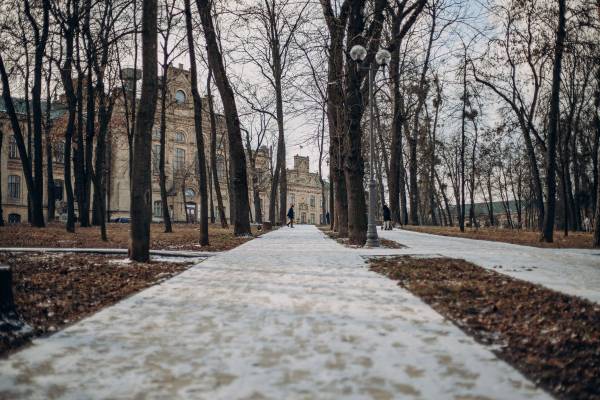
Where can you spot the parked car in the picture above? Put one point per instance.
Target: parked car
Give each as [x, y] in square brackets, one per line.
[121, 220]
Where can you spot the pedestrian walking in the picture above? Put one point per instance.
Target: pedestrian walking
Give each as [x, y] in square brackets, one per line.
[387, 218]
[290, 215]
[327, 217]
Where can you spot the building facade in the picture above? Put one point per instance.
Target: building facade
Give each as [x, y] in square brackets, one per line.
[181, 164]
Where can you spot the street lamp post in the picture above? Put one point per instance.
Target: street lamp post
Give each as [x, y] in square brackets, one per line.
[358, 53]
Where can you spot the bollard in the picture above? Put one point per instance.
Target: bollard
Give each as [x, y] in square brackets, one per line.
[7, 300]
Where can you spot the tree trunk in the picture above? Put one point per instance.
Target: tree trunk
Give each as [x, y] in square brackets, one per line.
[396, 145]
[548, 228]
[67, 81]
[237, 158]
[80, 166]
[162, 176]
[18, 135]
[141, 192]
[202, 184]
[596, 155]
[335, 117]
[213, 152]
[210, 195]
[50, 190]
[1, 210]
[281, 154]
[273, 194]
[353, 161]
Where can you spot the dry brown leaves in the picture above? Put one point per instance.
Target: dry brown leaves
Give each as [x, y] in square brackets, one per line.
[552, 338]
[54, 290]
[183, 237]
[577, 240]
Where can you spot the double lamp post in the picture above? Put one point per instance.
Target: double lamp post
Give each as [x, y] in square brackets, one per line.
[358, 53]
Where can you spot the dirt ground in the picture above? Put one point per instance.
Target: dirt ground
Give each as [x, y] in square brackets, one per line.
[578, 240]
[552, 338]
[183, 237]
[55, 290]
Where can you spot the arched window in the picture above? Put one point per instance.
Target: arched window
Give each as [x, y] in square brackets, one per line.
[180, 137]
[14, 218]
[13, 151]
[157, 208]
[180, 97]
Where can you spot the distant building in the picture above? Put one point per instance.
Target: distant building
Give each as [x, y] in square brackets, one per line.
[305, 192]
[304, 188]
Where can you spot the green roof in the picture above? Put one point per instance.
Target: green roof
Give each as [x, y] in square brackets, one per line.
[56, 109]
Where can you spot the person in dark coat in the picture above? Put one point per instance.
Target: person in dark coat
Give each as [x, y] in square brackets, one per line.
[327, 218]
[290, 215]
[387, 218]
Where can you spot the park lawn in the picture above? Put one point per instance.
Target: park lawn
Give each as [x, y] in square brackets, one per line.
[577, 240]
[183, 237]
[54, 290]
[552, 338]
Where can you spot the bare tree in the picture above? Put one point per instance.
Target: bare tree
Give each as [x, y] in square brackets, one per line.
[141, 187]
[237, 158]
[168, 19]
[201, 170]
[213, 151]
[548, 227]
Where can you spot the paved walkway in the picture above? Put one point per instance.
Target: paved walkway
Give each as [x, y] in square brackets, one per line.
[290, 315]
[571, 271]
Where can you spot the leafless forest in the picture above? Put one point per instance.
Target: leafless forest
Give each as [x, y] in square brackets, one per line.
[482, 106]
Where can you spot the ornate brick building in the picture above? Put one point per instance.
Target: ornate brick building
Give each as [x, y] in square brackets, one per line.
[304, 187]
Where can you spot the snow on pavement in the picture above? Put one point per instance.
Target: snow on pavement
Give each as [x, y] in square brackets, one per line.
[289, 315]
[571, 271]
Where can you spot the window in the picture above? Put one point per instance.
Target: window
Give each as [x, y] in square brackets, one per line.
[312, 219]
[58, 189]
[156, 134]
[155, 159]
[312, 201]
[221, 168]
[190, 193]
[179, 159]
[180, 97]
[157, 208]
[14, 186]
[59, 152]
[13, 151]
[180, 137]
[292, 198]
[14, 218]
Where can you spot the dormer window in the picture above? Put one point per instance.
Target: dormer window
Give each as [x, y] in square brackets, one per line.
[180, 97]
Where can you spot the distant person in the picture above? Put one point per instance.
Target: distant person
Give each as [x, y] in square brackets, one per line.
[327, 217]
[387, 218]
[290, 215]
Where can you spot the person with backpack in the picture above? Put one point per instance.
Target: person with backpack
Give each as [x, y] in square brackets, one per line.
[387, 218]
